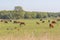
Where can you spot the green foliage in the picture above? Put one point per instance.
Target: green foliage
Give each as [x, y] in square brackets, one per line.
[18, 8]
[19, 13]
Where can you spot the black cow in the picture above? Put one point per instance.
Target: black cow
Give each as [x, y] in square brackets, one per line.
[5, 21]
[43, 21]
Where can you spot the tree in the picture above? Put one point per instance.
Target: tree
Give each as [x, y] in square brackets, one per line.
[33, 15]
[18, 8]
[38, 15]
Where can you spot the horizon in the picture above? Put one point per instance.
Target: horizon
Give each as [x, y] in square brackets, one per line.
[31, 5]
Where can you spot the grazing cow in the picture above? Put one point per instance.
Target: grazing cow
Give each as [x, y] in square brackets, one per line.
[10, 20]
[1, 20]
[40, 19]
[58, 19]
[51, 25]
[48, 20]
[53, 22]
[16, 22]
[37, 23]
[43, 21]
[22, 23]
[5, 22]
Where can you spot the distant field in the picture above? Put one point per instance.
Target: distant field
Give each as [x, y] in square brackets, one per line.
[31, 28]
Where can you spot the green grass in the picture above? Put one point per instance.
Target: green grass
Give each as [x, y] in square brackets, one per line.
[30, 28]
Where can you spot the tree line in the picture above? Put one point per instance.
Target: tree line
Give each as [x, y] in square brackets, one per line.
[19, 13]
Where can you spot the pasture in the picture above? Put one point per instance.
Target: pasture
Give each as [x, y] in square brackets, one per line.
[30, 29]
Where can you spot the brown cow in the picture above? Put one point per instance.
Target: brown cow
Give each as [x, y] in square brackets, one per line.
[37, 23]
[22, 23]
[16, 22]
[53, 22]
[51, 25]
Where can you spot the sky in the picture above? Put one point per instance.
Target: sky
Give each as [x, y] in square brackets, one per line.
[31, 5]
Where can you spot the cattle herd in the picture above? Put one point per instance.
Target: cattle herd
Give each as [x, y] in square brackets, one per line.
[51, 23]
[17, 22]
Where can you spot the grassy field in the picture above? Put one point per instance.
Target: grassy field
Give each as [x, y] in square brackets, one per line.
[31, 29]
